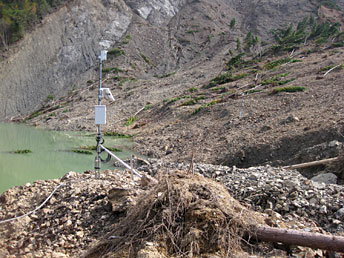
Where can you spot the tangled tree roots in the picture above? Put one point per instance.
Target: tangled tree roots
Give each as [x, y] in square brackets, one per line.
[187, 215]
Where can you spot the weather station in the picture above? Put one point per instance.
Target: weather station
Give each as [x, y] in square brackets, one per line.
[100, 119]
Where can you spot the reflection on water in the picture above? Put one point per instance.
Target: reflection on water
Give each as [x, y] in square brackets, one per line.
[50, 157]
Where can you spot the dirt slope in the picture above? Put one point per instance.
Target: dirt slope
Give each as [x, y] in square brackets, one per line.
[161, 69]
[236, 130]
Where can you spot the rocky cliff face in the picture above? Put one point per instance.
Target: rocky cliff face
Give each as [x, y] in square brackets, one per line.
[61, 52]
[58, 53]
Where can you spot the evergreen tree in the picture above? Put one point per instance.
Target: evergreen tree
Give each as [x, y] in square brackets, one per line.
[18, 15]
[232, 24]
[250, 41]
[43, 7]
[238, 44]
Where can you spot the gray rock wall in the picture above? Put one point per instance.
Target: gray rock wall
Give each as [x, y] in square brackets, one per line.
[61, 52]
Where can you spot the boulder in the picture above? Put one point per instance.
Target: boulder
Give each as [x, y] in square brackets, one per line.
[328, 178]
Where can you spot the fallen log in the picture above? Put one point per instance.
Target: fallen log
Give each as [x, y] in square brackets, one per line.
[311, 164]
[300, 238]
[333, 68]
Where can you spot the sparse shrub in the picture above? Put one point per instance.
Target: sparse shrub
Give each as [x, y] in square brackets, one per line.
[126, 79]
[288, 89]
[148, 106]
[276, 81]
[329, 4]
[208, 17]
[252, 91]
[274, 64]
[235, 62]
[326, 68]
[169, 101]
[117, 70]
[106, 70]
[189, 103]
[113, 69]
[192, 90]
[34, 114]
[130, 120]
[118, 78]
[238, 44]
[225, 78]
[50, 97]
[311, 50]
[338, 44]
[165, 75]
[232, 23]
[321, 40]
[192, 31]
[282, 82]
[146, 59]
[116, 52]
[250, 41]
[308, 29]
[86, 152]
[204, 106]
[267, 82]
[219, 89]
[116, 134]
[126, 39]
[184, 41]
[192, 101]
[239, 76]
[25, 151]
[282, 75]
[271, 65]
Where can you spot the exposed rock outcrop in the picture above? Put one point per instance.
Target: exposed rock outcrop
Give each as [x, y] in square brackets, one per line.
[62, 50]
[59, 53]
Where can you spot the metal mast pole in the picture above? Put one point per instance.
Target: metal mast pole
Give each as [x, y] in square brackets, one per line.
[99, 136]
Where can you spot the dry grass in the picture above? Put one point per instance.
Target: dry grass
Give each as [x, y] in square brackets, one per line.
[187, 215]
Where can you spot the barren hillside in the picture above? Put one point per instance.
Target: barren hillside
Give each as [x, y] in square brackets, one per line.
[196, 82]
[163, 69]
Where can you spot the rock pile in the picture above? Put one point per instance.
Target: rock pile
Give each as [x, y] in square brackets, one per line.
[279, 192]
[76, 216]
[84, 209]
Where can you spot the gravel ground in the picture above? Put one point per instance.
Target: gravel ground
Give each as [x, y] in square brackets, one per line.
[84, 209]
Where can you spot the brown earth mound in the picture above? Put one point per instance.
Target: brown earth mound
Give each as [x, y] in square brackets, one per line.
[185, 215]
[181, 215]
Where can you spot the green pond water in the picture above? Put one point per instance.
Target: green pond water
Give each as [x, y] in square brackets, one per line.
[51, 155]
